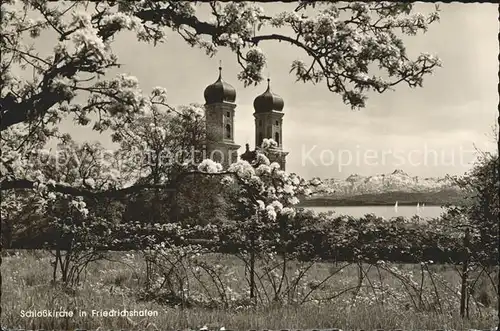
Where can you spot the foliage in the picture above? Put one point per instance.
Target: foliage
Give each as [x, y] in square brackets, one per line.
[83, 189]
[155, 149]
[309, 237]
[84, 176]
[341, 43]
[481, 211]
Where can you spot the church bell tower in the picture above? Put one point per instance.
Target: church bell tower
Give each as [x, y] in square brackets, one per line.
[269, 123]
[220, 110]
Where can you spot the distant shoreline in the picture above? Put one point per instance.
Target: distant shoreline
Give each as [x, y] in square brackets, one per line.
[386, 199]
[315, 203]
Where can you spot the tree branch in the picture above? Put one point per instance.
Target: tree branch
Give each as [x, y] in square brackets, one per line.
[111, 193]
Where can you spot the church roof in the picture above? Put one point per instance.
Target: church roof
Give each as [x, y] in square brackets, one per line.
[220, 91]
[268, 101]
[249, 156]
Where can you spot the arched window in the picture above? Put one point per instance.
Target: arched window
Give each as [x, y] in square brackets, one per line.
[228, 131]
[277, 138]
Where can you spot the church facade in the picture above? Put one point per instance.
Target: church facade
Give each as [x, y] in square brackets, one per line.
[220, 109]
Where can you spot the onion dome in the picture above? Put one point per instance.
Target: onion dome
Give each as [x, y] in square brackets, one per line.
[220, 91]
[268, 101]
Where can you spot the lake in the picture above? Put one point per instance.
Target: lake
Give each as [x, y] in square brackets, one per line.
[383, 211]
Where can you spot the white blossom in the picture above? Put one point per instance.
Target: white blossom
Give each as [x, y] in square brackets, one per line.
[90, 182]
[263, 170]
[262, 159]
[87, 39]
[275, 166]
[121, 19]
[210, 166]
[271, 213]
[243, 169]
[277, 205]
[159, 92]
[268, 143]
[287, 211]
[82, 19]
[288, 189]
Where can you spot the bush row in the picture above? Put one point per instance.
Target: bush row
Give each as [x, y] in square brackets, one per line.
[305, 237]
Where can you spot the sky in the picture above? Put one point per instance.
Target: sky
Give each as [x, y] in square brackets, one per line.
[429, 131]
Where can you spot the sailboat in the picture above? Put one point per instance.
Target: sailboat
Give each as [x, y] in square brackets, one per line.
[396, 207]
[418, 209]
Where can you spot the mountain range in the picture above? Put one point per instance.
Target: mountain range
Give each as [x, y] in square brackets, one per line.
[385, 189]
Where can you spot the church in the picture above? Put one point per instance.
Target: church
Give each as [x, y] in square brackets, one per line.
[220, 109]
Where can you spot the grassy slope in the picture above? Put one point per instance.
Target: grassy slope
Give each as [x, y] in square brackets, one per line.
[387, 199]
[114, 285]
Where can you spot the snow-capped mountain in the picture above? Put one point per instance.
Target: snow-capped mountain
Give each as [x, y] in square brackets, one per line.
[397, 181]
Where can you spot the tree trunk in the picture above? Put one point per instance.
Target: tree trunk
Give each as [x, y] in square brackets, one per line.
[252, 260]
[465, 271]
[56, 262]
[252, 271]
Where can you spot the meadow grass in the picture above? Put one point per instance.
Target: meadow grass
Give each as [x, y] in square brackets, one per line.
[116, 284]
